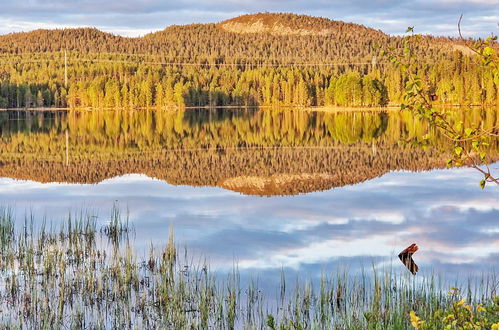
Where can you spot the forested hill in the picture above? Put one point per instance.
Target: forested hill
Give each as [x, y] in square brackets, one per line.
[84, 40]
[277, 38]
[251, 60]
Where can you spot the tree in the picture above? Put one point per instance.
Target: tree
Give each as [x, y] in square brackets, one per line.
[469, 142]
[39, 99]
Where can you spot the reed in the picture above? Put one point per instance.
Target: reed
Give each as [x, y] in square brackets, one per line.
[69, 277]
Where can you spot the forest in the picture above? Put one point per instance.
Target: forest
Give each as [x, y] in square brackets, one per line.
[306, 61]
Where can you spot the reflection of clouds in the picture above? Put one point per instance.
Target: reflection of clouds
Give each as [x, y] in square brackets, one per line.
[317, 252]
[444, 211]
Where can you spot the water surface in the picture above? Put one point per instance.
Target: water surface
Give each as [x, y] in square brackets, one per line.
[303, 192]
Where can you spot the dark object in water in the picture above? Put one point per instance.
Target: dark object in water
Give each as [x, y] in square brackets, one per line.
[406, 258]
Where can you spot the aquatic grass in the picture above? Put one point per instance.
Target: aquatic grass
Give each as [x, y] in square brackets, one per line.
[118, 228]
[67, 276]
[6, 227]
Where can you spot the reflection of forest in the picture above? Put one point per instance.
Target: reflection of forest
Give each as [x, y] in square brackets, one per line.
[254, 152]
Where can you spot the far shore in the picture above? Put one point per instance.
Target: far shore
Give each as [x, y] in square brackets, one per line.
[388, 108]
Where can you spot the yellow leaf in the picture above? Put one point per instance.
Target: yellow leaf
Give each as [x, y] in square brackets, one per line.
[415, 320]
[488, 51]
[461, 302]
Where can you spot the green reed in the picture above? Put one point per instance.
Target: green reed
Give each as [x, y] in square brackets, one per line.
[85, 275]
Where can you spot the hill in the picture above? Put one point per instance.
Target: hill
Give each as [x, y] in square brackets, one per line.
[81, 39]
[255, 38]
[250, 60]
[286, 37]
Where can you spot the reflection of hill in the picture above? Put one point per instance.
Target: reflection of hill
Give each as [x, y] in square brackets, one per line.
[252, 152]
[277, 184]
[258, 172]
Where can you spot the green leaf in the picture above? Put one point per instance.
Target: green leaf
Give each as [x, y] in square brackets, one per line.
[458, 151]
[270, 321]
[468, 131]
[482, 184]
[409, 29]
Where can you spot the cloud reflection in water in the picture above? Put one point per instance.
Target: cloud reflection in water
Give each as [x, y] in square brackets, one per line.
[455, 223]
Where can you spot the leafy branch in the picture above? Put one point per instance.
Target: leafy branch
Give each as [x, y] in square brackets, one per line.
[469, 143]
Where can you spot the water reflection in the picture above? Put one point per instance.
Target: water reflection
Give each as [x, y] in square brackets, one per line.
[249, 151]
[444, 211]
[190, 168]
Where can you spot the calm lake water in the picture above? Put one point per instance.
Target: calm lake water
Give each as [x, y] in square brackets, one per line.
[305, 192]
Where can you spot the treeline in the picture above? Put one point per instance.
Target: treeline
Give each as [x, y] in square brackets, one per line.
[121, 83]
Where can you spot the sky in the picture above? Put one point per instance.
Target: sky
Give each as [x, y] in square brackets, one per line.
[138, 17]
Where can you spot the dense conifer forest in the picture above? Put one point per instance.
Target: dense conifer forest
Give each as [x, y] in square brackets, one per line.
[261, 59]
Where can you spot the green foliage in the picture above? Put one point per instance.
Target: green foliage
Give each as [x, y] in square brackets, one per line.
[459, 315]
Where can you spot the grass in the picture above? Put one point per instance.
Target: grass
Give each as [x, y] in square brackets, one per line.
[87, 275]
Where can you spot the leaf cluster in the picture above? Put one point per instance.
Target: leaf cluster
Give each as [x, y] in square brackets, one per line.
[460, 315]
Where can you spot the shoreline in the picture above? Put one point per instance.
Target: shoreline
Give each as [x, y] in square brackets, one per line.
[388, 108]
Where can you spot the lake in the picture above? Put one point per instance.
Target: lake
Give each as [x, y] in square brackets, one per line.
[268, 190]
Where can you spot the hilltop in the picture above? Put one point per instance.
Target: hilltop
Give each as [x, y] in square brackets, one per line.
[292, 24]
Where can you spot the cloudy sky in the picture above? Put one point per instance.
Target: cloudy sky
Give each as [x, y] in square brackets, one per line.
[137, 17]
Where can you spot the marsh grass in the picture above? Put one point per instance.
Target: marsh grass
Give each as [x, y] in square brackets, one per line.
[67, 277]
[118, 228]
